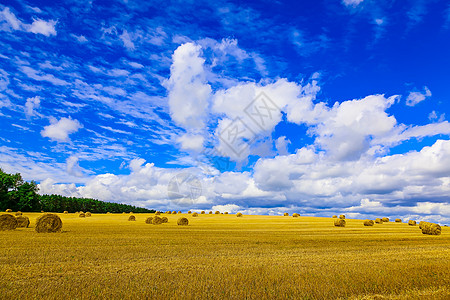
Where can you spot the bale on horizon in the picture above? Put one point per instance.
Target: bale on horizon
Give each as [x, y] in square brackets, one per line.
[398, 220]
[23, 221]
[179, 212]
[174, 213]
[183, 222]
[296, 215]
[157, 213]
[378, 221]
[82, 215]
[19, 213]
[189, 212]
[385, 219]
[217, 212]
[239, 214]
[131, 218]
[149, 220]
[48, 223]
[368, 223]
[286, 214]
[339, 223]
[225, 213]
[8, 222]
[412, 223]
[8, 210]
[210, 212]
[334, 216]
[342, 217]
[195, 214]
[65, 212]
[88, 214]
[202, 212]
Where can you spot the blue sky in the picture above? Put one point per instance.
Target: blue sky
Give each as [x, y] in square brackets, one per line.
[317, 107]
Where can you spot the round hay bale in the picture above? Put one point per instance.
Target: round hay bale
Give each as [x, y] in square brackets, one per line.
[225, 213]
[48, 223]
[131, 212]
[195, 214]
[421, 224]
[23, 221]
[19, 213]
[285, 214]
[183, 222]
[157, 220]
[189, 212]
[239, 214]
[65, 212]
[431, 228]
[88, 214]
[385, 219]
[398, 220]
[8, 210]
[131, 218]
[368, 223]
[339, 223]
[202, 212]
[42, 211]
[108, 213]
[334, 216]
[296, 215]
[81, 212]
[412, 223]
[8, 222]
[158, 213]
[217, 212]
[342, 217]
[179, 212]
[82, 215]
[165, 220]
[149, 220]
[174, 213]
[123, 213]
[210, 212]
[378, 221]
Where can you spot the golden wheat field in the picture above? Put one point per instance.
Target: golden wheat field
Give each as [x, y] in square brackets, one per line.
[223, 257]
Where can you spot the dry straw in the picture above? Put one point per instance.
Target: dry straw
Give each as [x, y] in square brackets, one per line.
[131, 218]
[149, 220]
[210, 212]
[379, 221]
[217, 212]
[239, 214]
[334, 216]
[168, 212]
[88, 214]
[296, 215]
[368, 223]
[165, 220]
[82, 215]
[7, 222]
[179, 212]
[8, 210]
[339, 223]
[23, 221]
[157, 220]
[385, 219]
[19, 213]
[285, 214]
[174, 213]
[412, 223]
[202, 212]
[398, 220]
[195, 214]
[225, 213]
[342, 217]
[431, 228]
[157, 213]
[189, 212]
[66, 212]
[48, 223]
[183, 222]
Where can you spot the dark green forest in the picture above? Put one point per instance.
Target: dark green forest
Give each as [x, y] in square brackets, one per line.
[20, 195]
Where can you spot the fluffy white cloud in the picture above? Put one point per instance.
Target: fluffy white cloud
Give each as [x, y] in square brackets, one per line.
[31, 104]
[191, 142]
[126, 39]
[59, 130]
[9, 22]
[46, 28]
[417, 97]
[73, 168]
[352, 2]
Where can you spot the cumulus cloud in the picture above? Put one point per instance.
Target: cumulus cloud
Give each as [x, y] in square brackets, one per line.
[60, 130]
[31, 104]
[9, 22]
[46, 28]
[416, 97]
[72, 166]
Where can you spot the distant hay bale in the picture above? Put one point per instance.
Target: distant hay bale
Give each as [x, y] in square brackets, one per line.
[19, 213]
[342, 217]
[81, 212]
[379, 221]
[179, 212]
[48, 223]
[131, 218]
[157, 220]
[88, 214]
[168, 212]
[23, 221]
[195, 214]
[183, 222]
[131, 212]
[65, 212]
[8, 210]
[239, 214]
[398, 220]
[202, 212]
[210, 212]
[225, 213]
[421, 224]
[123, 213]
[42, 211]
[334, 216]
[339, 223]
[189, 212]
[82, 215]
[157, 213]
[8, 222]
[431, 228]
[217, 212]
[285, 214]
[149, 220]
[174, 213]
[368, 223]
[165, 220]
[412, 223]
[296, 215]
[385, 219]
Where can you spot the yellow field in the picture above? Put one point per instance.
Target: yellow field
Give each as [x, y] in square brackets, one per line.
[222, 256]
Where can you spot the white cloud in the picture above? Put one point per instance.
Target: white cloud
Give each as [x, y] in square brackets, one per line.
[46, 28]
[352, 2]
[191, 142]
[126, 39]
[8, 21]
[72, 166]
[230, 208]
[41, 76]
[80, 38]
[416, 97]
[31, 104]
[59, 130]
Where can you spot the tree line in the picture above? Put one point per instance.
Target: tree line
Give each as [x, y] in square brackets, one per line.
[19, 195]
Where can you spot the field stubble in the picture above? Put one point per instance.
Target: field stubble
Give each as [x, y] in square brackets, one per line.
[221, 256]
